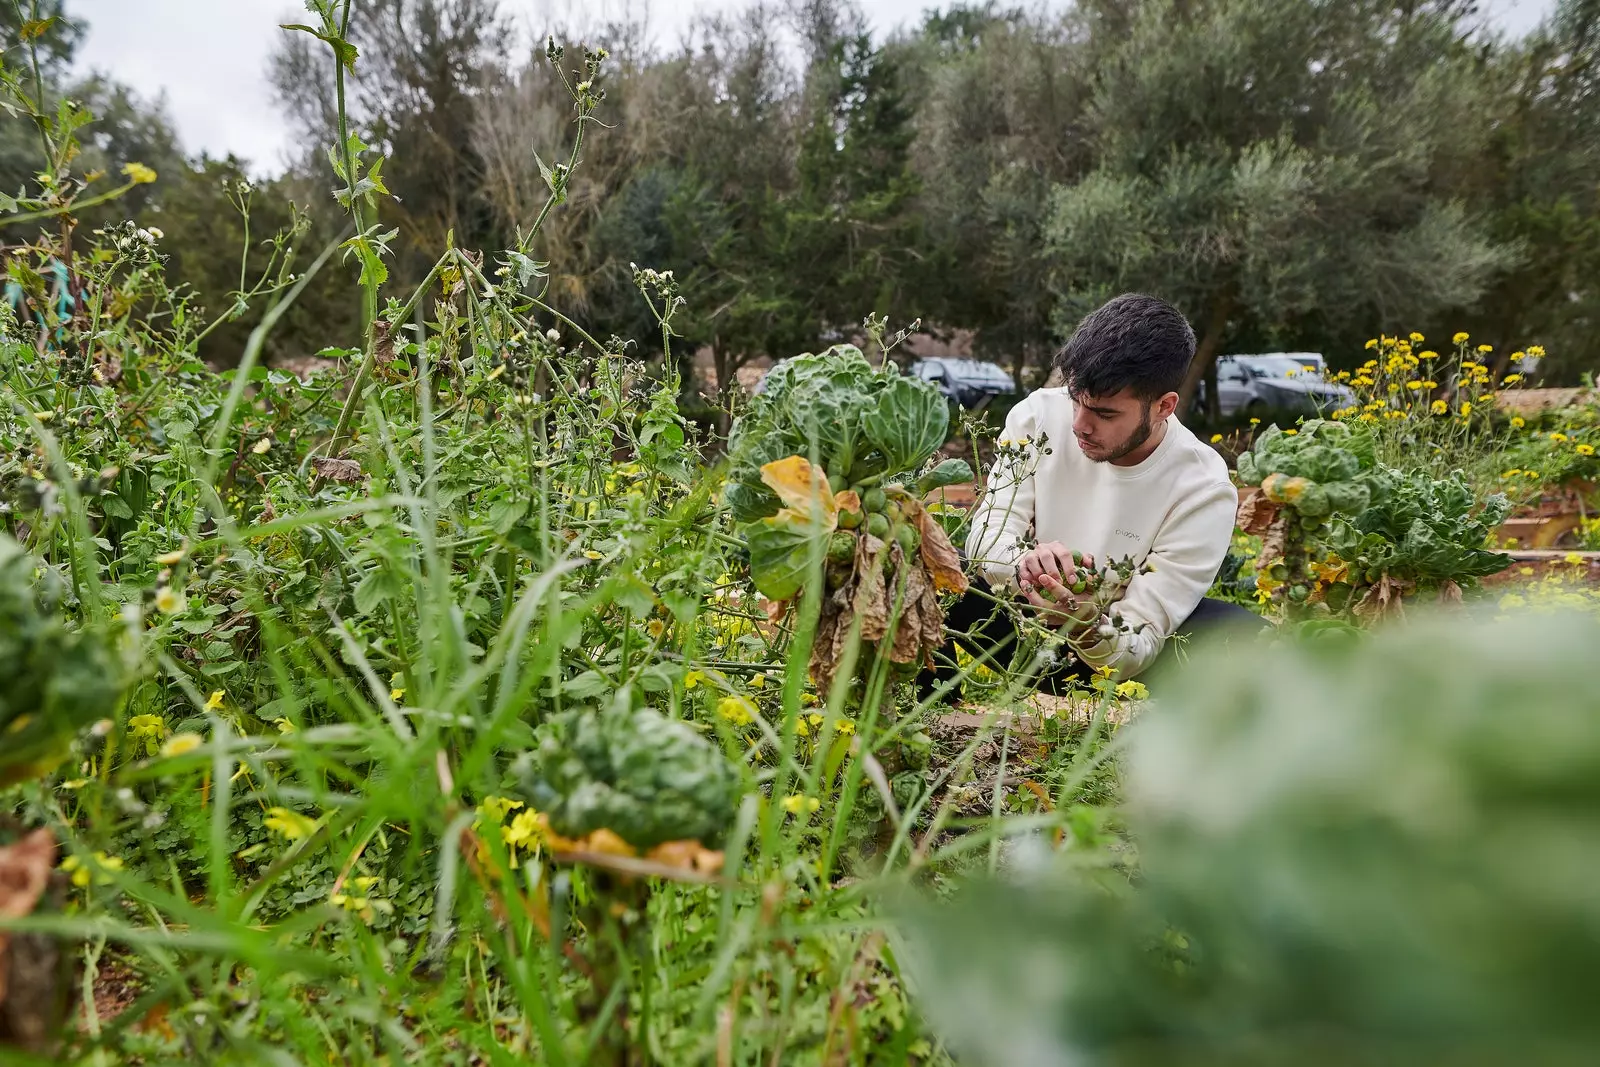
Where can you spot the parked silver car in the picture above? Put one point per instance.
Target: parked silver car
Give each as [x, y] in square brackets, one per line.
[1278, 381]
[971, 383]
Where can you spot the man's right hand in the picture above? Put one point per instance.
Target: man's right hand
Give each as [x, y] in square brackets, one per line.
[1052, 558]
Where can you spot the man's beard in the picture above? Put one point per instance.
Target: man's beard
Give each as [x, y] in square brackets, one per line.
[1135, 440]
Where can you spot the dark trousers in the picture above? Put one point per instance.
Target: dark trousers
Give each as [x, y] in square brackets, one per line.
[982, 628]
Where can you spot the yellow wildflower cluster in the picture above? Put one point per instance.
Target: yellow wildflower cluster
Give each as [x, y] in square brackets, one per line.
[1564, 587]
[95, 870]
[1420, 391]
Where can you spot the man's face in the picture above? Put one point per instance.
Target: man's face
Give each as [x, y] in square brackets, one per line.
[1110, 427]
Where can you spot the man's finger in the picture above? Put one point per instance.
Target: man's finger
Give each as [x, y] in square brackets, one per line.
[1051, 556]
[1028, 569]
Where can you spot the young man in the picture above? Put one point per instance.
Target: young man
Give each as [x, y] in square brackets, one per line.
[1101, 467]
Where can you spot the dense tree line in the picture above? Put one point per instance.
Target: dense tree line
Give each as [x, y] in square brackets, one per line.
[1294, 174]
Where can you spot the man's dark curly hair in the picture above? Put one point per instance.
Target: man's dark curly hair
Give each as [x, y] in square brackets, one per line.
[1133, 342]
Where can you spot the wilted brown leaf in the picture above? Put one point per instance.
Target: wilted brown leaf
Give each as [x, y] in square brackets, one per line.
[347, 471]
[1256, 512]
[939, 556]
[803, 489]
[1384, 600]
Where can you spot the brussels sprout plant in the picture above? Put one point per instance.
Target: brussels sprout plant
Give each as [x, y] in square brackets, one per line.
[828, 462]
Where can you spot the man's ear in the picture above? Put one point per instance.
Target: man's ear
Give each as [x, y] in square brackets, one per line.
[1166, 406]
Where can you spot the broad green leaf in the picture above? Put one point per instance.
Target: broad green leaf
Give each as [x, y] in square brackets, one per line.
[781, 549]
[950, 472]
[910, 422]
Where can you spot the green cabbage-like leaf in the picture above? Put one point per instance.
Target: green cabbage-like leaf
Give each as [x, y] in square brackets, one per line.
[634, 772]
[781, 550]
[909, 423]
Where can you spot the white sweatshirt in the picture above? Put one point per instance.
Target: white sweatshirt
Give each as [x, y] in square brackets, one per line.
[1175, 509]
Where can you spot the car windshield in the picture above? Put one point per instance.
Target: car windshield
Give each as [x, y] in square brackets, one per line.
[1280, 367]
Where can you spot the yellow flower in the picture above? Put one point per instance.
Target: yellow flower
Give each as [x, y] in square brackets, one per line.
[806, 723]
[655, 628]
[1518, 422]
[1413, 385]
[1439, 407]
[758, 681]
[1536, 351]
[495, 809]
[1416, 338]
[845, 726]
[396, 694]
[693, 678]
[44, 416]
[168, 600]
[592, 554]
[797, 803]
[262, 446]
[290, 824]
[1486, 349]
[1430, 385]
[1459, 338]
[1429, 354]
[214, 701]
[1558, 437]
[1512, 600]
[83, 873]
[736, 710]
[1466, 408]
[1512, 473]
[284, 726]
[181, 745]
[167, 559]
[1372, 342]
[524, 830]
[1255, 422]
[1215, 438]
[1131, 690]
[1574, 558]
[138, 173]
[147, 727]
[1290, 433]
[1583, 450]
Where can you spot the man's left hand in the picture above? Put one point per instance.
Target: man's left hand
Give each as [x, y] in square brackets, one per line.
[1059, 607]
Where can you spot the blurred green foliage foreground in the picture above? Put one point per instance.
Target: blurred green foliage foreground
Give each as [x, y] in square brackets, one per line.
[1384, 853]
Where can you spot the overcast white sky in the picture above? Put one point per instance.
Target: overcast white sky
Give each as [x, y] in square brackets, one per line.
[209, 57]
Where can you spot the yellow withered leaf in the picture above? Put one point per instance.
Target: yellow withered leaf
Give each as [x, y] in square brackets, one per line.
[802, 488]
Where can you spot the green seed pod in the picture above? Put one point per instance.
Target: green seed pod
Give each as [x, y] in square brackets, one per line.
[837, 482]
[878, 525]
[874, 501]
[849, 520]
[841, 547]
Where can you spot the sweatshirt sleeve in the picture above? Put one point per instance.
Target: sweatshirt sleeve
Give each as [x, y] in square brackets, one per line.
[1186, 556]
[1004, 514]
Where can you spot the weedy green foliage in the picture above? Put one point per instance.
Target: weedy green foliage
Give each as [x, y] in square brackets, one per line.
[1352, 853]
[54, 680]
[632, 771]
